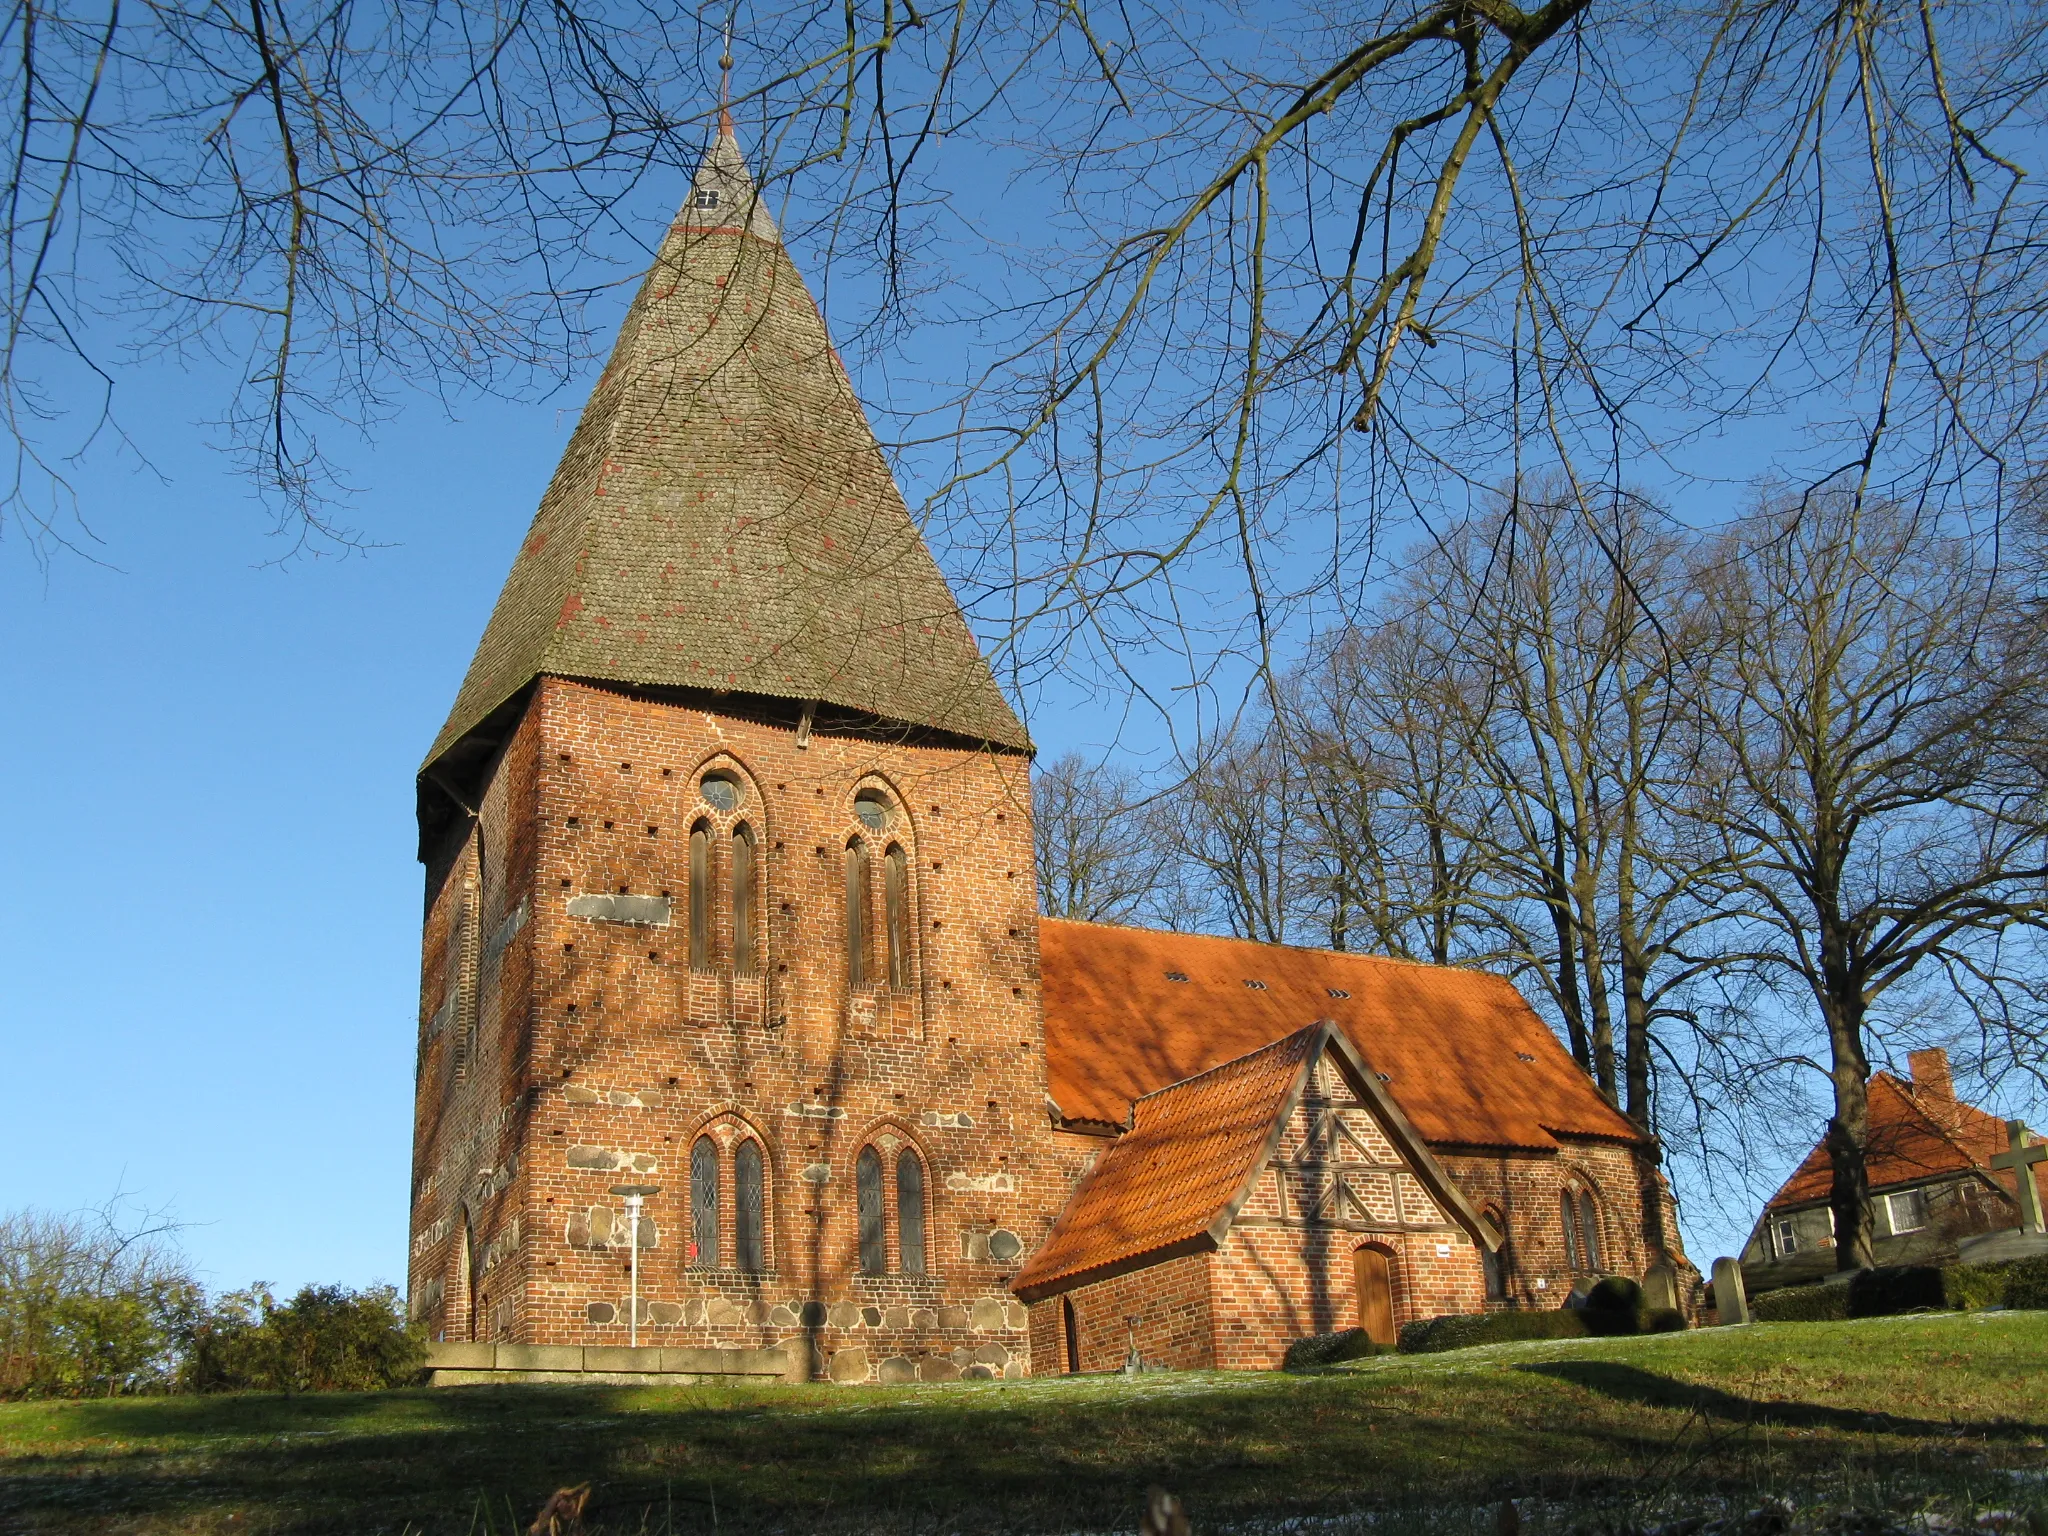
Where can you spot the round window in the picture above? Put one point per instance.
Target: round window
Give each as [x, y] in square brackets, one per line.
[720, 792]
[874, 812]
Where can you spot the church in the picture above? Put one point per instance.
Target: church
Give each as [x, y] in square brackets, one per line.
[730, 902]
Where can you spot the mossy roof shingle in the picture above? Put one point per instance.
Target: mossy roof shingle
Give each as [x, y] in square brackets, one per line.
[723, 517]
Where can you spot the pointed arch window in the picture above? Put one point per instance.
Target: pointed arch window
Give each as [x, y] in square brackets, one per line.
[704, 1203]
[700, 896]
[1589, 1232]
[857, 913]
[1570, 1211]
[743, 959]
[867, 1184]
[896, 913]
[910, 1211]
[748, 1208]
[1073, 1332]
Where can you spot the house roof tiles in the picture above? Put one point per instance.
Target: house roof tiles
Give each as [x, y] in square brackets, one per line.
[1914, 1136]
[1185, 1162]
[1464, 1055]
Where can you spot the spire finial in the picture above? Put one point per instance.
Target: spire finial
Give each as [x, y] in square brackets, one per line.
[725, 81]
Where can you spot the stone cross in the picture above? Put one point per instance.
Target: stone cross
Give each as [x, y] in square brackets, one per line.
[2022, 1160]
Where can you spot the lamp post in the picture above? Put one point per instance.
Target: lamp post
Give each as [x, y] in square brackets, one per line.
[635, 1194]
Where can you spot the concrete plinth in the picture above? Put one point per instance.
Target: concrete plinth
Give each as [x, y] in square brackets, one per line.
[475, 1365]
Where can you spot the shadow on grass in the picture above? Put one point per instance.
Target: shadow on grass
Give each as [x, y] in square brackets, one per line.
[1632, 1384]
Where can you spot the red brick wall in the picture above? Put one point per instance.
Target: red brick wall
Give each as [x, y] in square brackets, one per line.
[602, 1039]
[1638, 1219]
[1166, 1307]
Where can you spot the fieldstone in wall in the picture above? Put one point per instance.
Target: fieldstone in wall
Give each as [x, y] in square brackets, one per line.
[991, 1354]
[952, 1317]
[844, 1314]
[665, 1312]
[937, 1368]
[924, 1318]
[872, 1316]
[979, 1373]
[1004, 1245]
[987, 1313]
[783, 1315]
[601, 1312]
[896, 1370]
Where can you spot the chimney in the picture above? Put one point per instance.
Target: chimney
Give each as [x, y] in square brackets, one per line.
[1933, 1084]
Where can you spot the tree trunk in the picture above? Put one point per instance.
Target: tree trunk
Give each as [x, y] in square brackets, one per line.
[1848, 1134]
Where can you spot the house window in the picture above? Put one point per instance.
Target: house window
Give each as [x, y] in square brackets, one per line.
[748, 1202]
[856, 914]
[706, 197]
[704, 1203]
[875, 813]
[700, 896]
[1785, 1237]
[743, 899]
[867, 1185]
[1907, 1210]
[1570, 1213]
[896, 914]
[720, 793]
[910, 1211]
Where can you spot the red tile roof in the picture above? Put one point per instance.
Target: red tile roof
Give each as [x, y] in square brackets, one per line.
[1914, 1136]
[1464, 1055]
[1187, 1161]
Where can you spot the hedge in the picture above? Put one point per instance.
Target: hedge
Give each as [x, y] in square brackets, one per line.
[1328, 1348]
[1464, 1330]
[1893, 1289]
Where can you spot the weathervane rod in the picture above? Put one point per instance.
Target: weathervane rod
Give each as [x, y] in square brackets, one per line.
[725, 80]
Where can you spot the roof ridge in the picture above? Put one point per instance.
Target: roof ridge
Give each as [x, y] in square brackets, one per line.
[1236, 1061]
[1304, 949]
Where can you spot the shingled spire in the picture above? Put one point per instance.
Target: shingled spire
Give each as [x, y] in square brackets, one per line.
[723, 518]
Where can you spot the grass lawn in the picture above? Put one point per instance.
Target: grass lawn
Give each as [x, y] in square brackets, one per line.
[1886, 1413]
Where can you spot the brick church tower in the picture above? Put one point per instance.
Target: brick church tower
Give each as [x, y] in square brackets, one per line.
[729, 881]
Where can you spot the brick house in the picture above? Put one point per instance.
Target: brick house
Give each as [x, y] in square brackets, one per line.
[1931, 1182]
[729, 893]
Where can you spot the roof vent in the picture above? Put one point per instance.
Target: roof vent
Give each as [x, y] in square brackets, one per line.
[1176, 975]
[1383, 1077]
[1523, 1056]
[1256, 986]
[1336, 992]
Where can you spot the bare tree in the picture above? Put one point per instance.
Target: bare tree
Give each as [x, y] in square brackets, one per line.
[1876, 781]
[1100, 858]
[1232, 299]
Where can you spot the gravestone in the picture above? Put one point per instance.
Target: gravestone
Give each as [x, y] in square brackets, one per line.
[1660, 1288]
[1731, 1301]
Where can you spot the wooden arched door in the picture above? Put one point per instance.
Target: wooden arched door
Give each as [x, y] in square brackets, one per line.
[1372, 1280]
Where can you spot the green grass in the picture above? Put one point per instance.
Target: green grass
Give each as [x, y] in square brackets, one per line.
[1884, 1413]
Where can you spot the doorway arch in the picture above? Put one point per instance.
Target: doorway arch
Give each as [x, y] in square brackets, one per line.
[1372, 1285]
[1072, 1328]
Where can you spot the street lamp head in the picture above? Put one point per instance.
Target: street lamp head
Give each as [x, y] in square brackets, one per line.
[630, 1190]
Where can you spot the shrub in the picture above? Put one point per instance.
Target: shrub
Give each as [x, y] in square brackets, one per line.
[90, 1306]
[1329, 1348]
[2026, 1282]
[1891, 1289]
[1664, 1320]
[1465, 1330]
[1802, 1304]
[325, 1339]
[1614, 1306]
